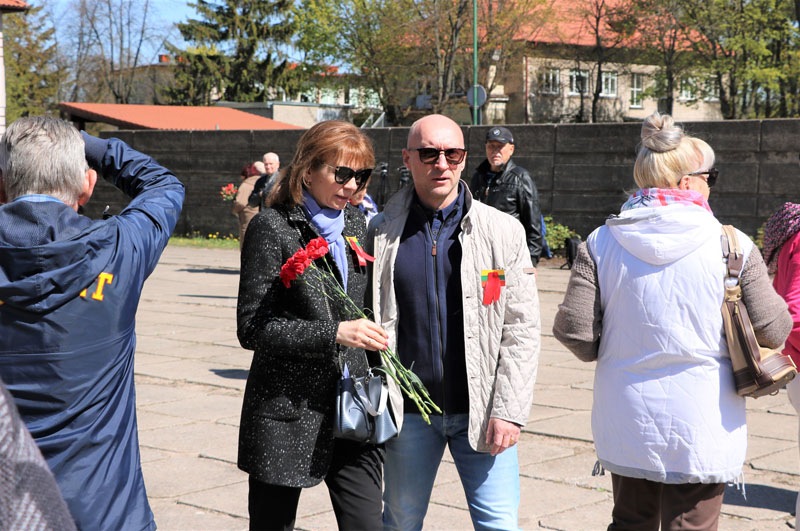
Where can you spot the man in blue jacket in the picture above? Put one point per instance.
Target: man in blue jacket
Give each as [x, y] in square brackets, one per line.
[69, 289]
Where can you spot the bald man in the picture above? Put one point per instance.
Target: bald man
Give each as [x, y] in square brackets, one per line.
[454, 286]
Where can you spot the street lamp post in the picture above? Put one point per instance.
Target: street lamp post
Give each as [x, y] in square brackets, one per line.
[475, 107]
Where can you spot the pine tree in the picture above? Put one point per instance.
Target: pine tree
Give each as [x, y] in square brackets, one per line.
[30, 54]
[236, 50]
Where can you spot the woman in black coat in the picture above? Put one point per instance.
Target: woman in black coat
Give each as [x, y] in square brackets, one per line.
[299, 337]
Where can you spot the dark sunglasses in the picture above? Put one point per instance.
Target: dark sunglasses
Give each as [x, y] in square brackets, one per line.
[431, 155]
[343, 174]
[712, 173]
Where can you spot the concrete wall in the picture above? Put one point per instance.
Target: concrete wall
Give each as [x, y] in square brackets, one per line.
[582, 171]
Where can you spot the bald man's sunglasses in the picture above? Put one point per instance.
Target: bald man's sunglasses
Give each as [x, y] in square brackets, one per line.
[431, 155]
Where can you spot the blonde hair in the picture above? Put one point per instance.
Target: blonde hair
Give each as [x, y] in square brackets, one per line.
[325, 143]
[667, 153]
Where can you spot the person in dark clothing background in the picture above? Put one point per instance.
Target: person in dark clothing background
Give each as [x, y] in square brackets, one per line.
[500, 183]
[69, 289]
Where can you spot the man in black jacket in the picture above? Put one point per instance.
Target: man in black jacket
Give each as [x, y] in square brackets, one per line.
[500, 183]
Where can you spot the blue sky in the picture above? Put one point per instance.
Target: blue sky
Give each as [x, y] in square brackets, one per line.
[166, 13]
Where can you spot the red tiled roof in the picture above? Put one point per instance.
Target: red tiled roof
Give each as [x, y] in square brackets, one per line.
[13, 5]
[172, 117]
[568, 24]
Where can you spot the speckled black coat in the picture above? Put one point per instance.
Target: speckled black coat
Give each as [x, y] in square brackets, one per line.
[286, 436]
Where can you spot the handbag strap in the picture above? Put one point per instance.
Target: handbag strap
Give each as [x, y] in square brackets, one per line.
[739, 328]
[732, 251]
[365, 399]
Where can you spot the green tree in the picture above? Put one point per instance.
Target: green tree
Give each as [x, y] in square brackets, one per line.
[504, 29]
[30, 54]
[375, 39]
[197, 76]
[236, 49]
[732, 39]
[665, 41]
[611, 26]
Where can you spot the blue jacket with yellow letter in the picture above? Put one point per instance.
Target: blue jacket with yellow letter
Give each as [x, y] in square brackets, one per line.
[69, 289]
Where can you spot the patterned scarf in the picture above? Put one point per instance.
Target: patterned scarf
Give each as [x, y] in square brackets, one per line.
[653, 197]
[781, 226]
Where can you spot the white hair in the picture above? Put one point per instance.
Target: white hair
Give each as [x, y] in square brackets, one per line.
[43, 155]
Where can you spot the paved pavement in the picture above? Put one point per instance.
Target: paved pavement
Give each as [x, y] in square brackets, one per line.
[191, 373]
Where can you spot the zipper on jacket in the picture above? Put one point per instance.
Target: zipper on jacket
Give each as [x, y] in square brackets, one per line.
[438, 309]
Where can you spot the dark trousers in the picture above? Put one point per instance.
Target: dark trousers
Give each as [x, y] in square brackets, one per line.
[641, 505]
[354, 482]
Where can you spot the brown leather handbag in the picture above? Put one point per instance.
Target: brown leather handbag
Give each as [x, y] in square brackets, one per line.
[757, 370]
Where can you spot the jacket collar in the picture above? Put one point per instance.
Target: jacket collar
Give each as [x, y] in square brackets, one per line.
[485, 167]
[400, 203]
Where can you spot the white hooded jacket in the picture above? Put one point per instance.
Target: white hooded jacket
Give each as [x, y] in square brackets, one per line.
[665, 407]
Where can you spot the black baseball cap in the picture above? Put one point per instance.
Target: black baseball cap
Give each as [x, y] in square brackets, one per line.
[499, 134]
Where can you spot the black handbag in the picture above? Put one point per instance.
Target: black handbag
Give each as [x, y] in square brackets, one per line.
[361, 409]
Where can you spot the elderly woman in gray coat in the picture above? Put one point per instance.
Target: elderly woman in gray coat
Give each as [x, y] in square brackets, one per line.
[300, 337]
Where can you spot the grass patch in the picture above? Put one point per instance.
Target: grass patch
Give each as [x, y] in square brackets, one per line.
[206, 241]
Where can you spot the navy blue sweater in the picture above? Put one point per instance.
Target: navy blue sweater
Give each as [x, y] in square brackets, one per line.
[431, 321]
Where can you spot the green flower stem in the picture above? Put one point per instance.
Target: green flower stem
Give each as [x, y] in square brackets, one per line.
[408, 382]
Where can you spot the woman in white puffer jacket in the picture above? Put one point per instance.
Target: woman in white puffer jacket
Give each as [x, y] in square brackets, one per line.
[644, 300]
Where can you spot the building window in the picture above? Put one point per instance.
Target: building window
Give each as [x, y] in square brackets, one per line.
[352, 97]
[578, 82]
[712, 89]
[371, 99]
[329, 96]
[548, 81]
[637, 87]
[609, 85]
[687, 89]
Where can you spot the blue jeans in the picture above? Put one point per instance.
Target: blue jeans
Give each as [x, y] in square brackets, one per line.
[491, 484]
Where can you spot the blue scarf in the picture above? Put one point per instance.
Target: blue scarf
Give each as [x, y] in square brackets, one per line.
[330, 224]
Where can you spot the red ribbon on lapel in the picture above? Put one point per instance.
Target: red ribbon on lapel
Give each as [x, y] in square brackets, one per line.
[362, 255]
[491, 292]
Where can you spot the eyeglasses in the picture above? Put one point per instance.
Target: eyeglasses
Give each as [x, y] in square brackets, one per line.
[712, 173]
[431, 155]
[343, 174]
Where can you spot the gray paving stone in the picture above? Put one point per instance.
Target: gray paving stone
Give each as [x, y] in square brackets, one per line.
[563, 397]
[149, 420]
[537, 449]
[768, 425]
[173, 516]
[197, 372]
[181, 475]
[786, 462]
[229, 499]
[148, 392]
[571, 470]
[545, 412]
[563, 375]
[575, 425]
[208, 407]
[194, 439]
[760, 447]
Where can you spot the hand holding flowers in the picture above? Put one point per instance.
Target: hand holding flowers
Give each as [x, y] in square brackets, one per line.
[359, 332]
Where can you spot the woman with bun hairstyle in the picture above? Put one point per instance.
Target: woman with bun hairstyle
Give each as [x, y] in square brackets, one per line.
[300, 338]
[644, 301]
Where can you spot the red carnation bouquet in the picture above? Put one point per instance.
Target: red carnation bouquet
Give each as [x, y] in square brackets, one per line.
[302, 263]
[228, 192]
